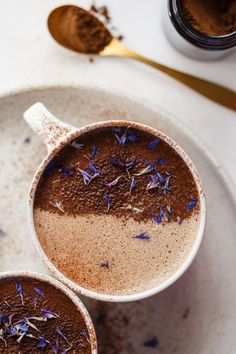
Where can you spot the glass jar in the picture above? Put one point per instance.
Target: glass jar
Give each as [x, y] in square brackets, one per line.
[191, 42]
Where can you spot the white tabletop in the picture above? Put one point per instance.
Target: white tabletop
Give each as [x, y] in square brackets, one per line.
[29, 57]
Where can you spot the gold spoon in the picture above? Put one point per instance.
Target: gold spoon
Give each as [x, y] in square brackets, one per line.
[78, 30]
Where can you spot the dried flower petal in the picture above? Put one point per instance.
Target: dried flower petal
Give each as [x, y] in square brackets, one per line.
[133, 137]
[30, 324]
[154, 183]
[127, 166]
[130, 165]
[151, 343]
[49, 314]
[163, 215]
[62, 335]
[3, 319]
[21, 337]
[179, 220]
[126, 136]
[162, 162]
[166, 187]
[142, 236]
[156, 219]
[85, 335]
[150, 167]
[169, 209]
[113, 183]
[116, 130]
[93, 170]
[66, 350]
[67, 172]
[108, 202]
[122, 139]
[76, 145]
[116, 161]
[104, 265]
[20, 292]
[42, 343]
[39, 292]
[133, 184]
[23, 327]
[134, 209]
[58, 205]
[57, 347]
[160, 177]
[191, 205]
[153, 144]
[86, 177]
[8, 305]
[94, 152]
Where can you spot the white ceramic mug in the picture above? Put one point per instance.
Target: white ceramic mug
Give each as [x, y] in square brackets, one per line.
[58, 285]
[56, 135]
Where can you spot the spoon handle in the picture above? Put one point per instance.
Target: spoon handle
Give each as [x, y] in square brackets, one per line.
[215, 92]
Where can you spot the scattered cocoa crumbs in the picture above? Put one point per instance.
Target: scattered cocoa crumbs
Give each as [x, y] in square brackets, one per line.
[122, 171]
[120, 37]
[102, 11]
[186, 313]
[104, 15]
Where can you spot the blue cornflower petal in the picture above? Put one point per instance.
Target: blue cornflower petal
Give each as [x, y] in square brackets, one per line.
[142, 236]
[20, 292]
[151, 343]
[163, 215]
[93, 170]
[153, 144]
[39, 292]
[94, 152]
[156, 219]
[49, 314]
[191, 205]
[42, 343]
[108, 202]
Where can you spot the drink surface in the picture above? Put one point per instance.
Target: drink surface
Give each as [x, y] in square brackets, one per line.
[35, 317]
[117, 210]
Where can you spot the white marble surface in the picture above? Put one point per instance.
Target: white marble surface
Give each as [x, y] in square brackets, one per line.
[29, 57]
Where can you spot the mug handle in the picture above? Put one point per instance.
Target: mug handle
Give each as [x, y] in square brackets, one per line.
[50, 129]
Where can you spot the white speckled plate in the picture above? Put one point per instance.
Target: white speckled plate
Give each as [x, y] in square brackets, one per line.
[197, 315]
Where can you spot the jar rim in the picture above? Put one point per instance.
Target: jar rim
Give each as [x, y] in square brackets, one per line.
[183, 27]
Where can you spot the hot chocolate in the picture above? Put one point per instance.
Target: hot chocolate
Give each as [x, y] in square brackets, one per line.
[36, 317]
[117, 210]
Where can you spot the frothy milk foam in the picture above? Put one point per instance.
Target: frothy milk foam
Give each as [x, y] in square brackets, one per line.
[77, 247]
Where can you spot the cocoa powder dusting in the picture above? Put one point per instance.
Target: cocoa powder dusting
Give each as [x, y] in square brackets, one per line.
[84, 32]
[213, 18]
[35, 300]
[92, 33]
[130, 180]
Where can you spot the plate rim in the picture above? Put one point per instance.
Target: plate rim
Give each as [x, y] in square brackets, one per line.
[149, 104]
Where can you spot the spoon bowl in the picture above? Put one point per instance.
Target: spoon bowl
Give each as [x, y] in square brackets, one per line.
[77, 29]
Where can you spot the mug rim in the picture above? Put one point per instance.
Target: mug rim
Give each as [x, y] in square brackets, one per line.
[65, 290]
[124, 297]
